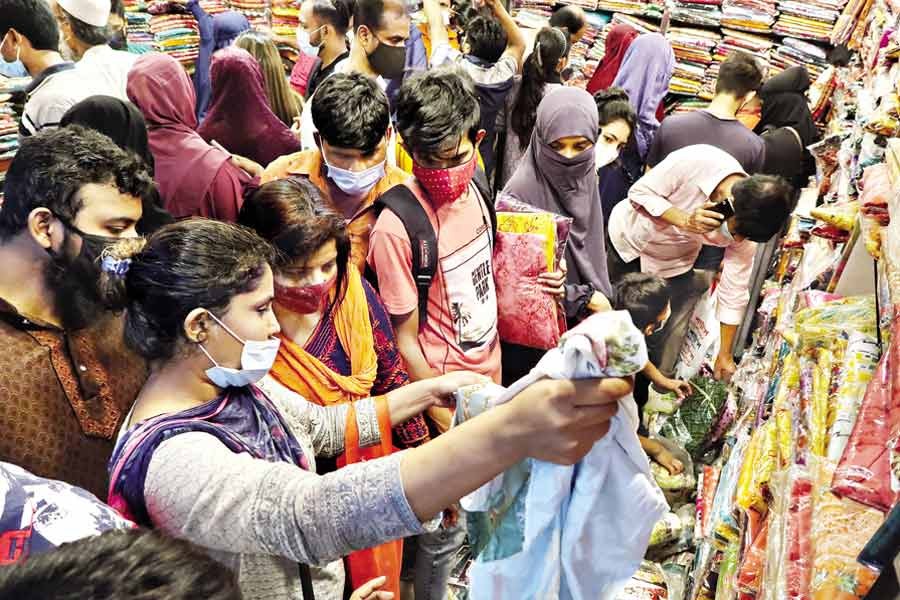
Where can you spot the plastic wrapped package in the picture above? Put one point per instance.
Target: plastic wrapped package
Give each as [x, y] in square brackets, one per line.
[659, 402]
[697, 414]
[858, 365]
[701, 342]
[820, 326]
[667, 530]
[525, 248]
[774, 582]
[818, 427]
[842, 216]
[826, 155]
[756, 472]
[725, 527]
[726, 586]
[753, 562]
[677, 569]
[784, 407]
[707, 484]
[864, 471]
[649, 583]
[797, 524]
[840, 529]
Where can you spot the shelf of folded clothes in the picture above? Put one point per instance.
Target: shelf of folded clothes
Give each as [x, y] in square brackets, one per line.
[585, 4]
[853, 16]
[627, 7]
[137, 27]
[533, 13]
[752, 16]
[705, 13]
[178, 36]
[582, 58]
[256, 11]
[809, 20]
[794, 52]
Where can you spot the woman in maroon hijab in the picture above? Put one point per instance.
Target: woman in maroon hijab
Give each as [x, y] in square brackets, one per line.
[194, 178]
[240, 117]
[617, 41]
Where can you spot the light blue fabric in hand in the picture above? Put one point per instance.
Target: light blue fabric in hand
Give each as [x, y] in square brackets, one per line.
[547, 531]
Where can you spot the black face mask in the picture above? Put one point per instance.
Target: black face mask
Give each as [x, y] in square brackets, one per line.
[75, 279]
[388, 61]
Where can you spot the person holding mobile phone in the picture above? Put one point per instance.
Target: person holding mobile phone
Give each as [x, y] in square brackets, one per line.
[698, 195]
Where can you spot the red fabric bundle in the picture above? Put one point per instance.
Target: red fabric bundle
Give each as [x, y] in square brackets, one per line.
[864, 472]
[798, 525]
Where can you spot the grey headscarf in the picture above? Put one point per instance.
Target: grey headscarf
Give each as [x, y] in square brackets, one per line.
[567, 186]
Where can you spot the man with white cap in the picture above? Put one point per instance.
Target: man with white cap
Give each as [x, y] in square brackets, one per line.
[101, 69]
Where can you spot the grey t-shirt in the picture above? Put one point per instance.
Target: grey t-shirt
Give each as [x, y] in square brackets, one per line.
[702, 127]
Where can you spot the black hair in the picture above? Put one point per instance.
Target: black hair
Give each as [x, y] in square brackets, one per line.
[186, 265]
[550, 46]
[33, 19]
[762, 205]
[51, 167]
[613, 105]
[643, 295]
[336, 13]
[739, 75]
[568, 18]
[292, 215]
[117, 7]
[371, 13]
[487, 39]
[351, 111]
[436, 105]
[92, 35]
[120, 564]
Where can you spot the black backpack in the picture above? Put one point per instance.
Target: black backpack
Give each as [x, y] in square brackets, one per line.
[422, 238]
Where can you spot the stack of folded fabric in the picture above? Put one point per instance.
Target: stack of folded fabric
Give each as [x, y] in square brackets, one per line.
[213, 7]
[12, 95]
[643, 26]
[585, 4]
[792, 52]
[285, 21]
[734, 41]
[685, 105]
[807, 19]
[628, 7]
[178, 36]
[854, 13]
[693, 54]
[137, 28]
[708, 90]
[256, 11]
[705, 13]
[531, 12]
[581, 56]
[755, 16]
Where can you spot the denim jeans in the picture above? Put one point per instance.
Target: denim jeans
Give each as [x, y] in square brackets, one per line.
[428, 558]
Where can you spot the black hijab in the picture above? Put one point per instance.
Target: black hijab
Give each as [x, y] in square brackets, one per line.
[784, 104]
[124, 124]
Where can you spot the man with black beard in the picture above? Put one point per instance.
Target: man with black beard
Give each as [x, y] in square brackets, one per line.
[66, 378]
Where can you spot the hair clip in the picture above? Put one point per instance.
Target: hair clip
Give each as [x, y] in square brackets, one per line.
[115, 266]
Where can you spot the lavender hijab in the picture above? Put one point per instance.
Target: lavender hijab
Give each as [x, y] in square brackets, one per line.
[645, 75]
[567, 186]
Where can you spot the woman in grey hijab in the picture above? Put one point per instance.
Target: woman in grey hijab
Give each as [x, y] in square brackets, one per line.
[558, 173]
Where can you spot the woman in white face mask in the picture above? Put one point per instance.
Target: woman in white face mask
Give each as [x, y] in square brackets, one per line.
[207, 456]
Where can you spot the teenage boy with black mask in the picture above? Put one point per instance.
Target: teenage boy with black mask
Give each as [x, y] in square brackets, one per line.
[378, 51]
[66, 380]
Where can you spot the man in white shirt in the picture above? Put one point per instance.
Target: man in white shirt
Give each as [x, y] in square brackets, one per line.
[378, 50]
[85, 31]
[28, 33]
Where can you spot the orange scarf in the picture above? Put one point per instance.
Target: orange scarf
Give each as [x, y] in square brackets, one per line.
[306, 375]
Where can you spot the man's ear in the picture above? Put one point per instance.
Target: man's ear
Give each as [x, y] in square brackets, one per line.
[479, 137]
[42, 225]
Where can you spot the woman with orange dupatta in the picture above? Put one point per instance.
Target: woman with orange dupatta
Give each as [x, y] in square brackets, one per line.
[337, 344]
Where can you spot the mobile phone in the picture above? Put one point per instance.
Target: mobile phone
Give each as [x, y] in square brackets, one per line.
[724, 208]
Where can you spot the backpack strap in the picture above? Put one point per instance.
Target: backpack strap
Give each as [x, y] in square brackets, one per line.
[422, 239]
[484, 188]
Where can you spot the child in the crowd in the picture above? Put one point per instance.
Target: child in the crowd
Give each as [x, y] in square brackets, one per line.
[646, 298]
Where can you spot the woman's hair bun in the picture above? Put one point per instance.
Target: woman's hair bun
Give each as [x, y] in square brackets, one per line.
[115, 263]
[610, 94]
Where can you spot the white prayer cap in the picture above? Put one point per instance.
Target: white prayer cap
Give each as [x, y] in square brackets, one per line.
[92, 12]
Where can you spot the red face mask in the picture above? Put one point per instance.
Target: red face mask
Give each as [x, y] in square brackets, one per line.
[304, 300]
[445, 185]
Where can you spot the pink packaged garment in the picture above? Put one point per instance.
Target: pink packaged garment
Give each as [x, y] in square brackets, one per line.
[529, 317]
[865, 471]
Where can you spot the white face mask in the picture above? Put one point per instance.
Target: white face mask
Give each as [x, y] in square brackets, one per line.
[725, 231]
[605, 154]
[257, 359]
[303, 42]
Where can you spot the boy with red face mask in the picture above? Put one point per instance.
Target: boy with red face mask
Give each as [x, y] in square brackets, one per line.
[437, 117]
[438, 120]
